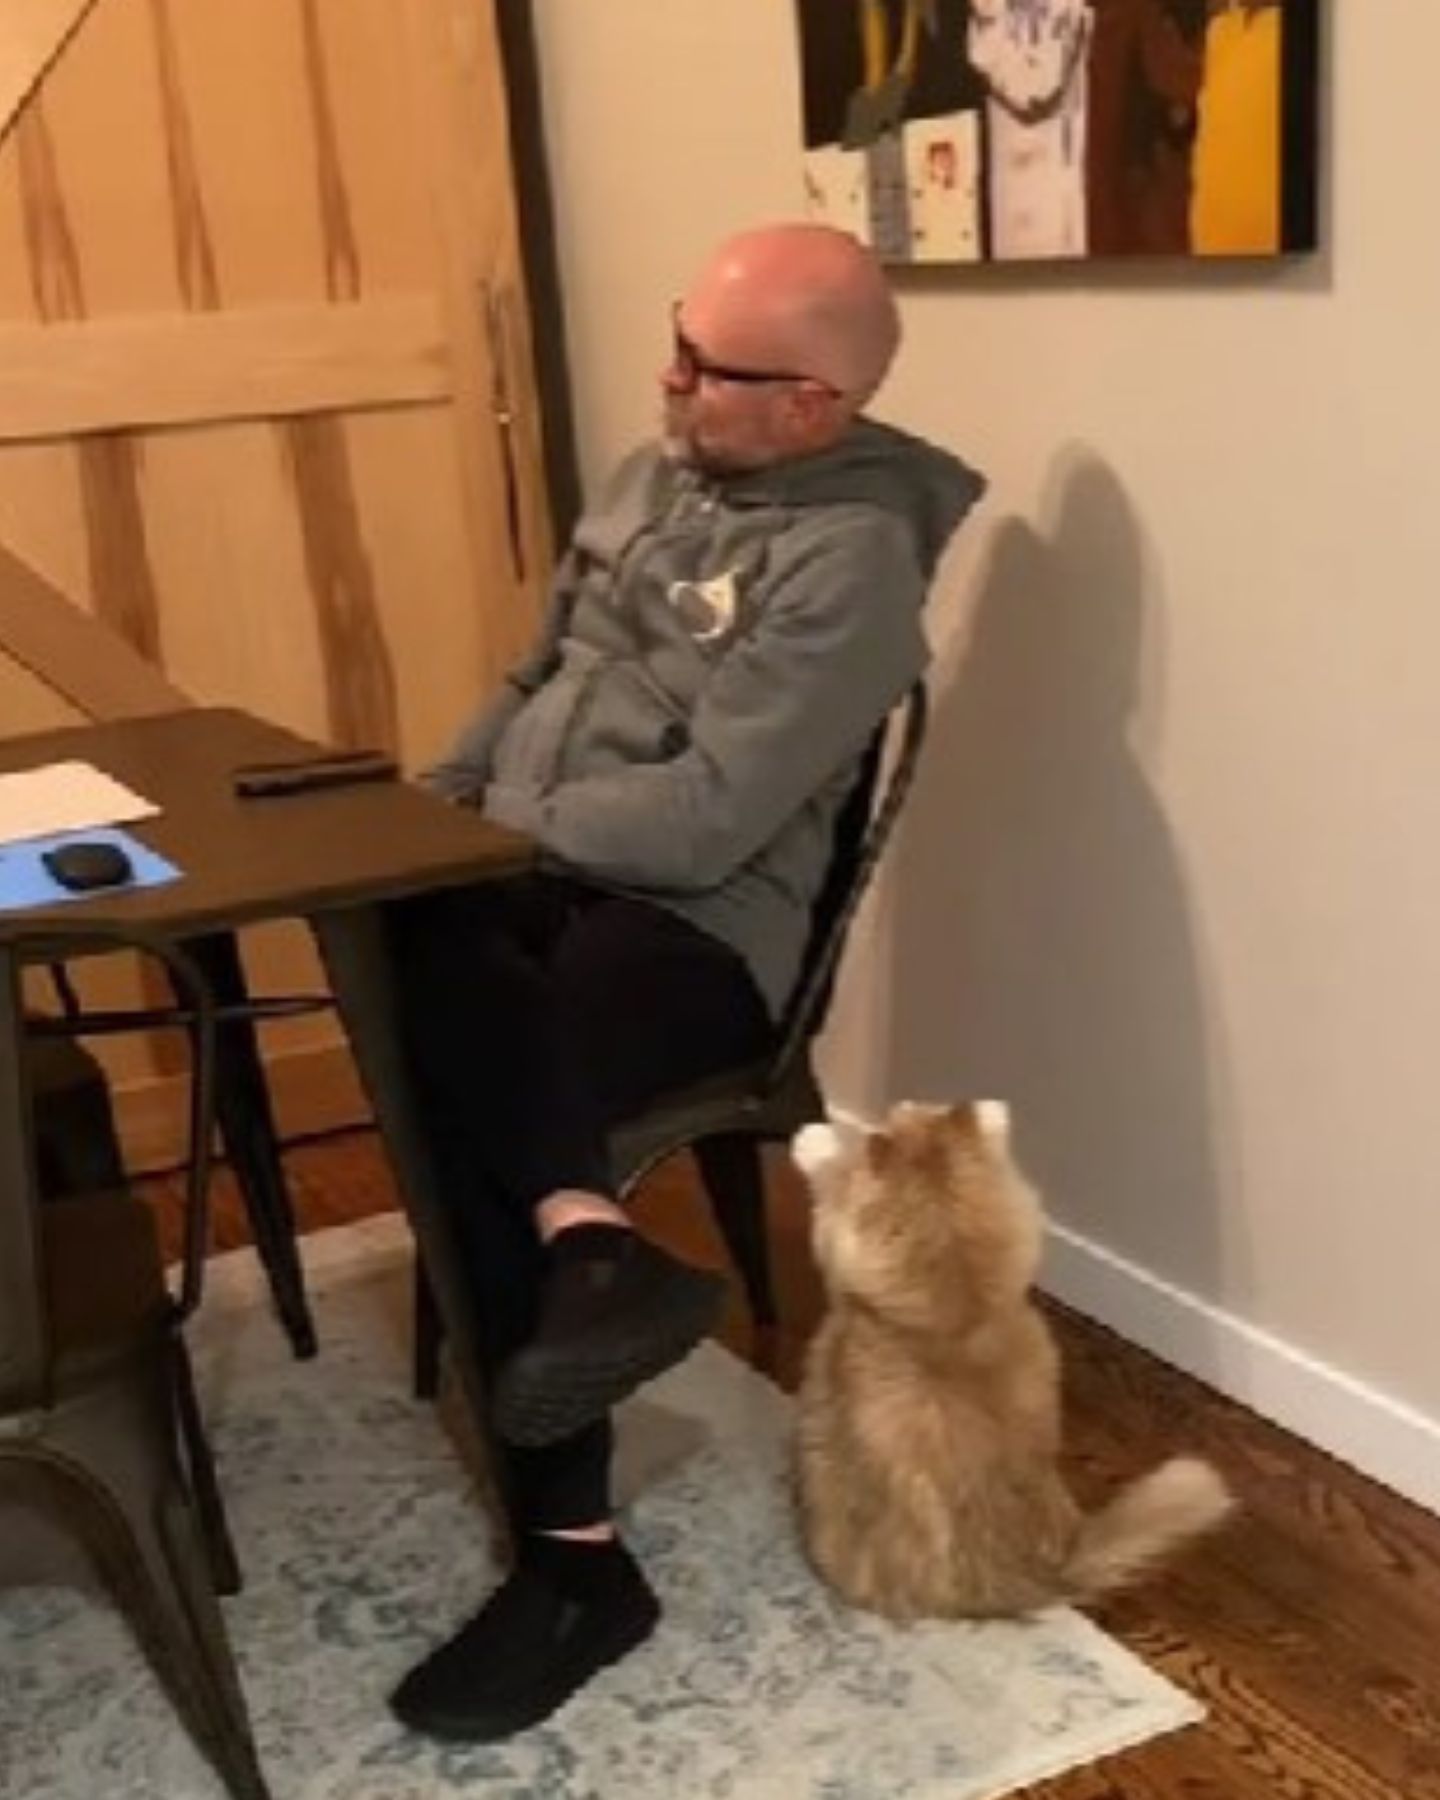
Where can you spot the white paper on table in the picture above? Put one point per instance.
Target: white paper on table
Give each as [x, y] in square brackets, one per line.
[66, 796]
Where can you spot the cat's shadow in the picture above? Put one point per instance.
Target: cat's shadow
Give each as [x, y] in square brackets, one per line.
[1042, 944]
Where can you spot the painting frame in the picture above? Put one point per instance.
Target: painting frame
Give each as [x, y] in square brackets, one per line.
[1014, 131]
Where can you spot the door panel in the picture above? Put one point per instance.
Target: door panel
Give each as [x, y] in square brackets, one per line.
[267, 405]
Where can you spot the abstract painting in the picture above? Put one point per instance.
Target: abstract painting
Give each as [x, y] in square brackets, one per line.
[1008, 130]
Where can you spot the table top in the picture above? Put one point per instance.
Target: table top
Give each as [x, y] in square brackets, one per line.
[245, 860]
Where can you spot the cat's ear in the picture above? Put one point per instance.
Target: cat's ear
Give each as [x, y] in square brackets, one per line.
[879, 1152]
[993, 1118]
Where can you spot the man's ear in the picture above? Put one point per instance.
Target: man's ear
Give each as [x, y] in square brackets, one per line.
[811, 407]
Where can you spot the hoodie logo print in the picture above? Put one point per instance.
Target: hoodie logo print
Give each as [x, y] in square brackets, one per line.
[708, 609]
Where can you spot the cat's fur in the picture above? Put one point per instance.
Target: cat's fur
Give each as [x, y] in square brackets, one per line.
[929, 1412]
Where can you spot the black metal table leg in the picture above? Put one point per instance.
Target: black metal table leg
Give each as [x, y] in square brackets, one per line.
[352, 944]
[247, 1131]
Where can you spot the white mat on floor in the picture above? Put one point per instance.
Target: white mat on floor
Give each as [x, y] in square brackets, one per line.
[362, 1546]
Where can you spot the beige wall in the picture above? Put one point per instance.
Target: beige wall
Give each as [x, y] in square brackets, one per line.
[1170, 879]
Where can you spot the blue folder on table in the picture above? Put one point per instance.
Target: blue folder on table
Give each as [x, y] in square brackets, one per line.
[26, 882]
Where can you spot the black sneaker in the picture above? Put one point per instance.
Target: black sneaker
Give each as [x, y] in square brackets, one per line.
[611, 1319]
[529, 1648]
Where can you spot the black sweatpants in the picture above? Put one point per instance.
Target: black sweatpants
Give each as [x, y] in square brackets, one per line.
[535, 1014]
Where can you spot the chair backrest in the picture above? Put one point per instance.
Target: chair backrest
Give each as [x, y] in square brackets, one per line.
[24, 1336]
[862, 830]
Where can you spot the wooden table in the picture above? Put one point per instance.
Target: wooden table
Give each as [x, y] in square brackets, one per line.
[332, 857]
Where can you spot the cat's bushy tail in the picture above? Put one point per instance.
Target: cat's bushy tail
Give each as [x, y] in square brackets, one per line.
[1143, 1523]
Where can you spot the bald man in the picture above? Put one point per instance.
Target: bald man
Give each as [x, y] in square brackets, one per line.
[733, 620]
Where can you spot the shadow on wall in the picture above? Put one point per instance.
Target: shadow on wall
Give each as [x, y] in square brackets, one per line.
[1040, 939]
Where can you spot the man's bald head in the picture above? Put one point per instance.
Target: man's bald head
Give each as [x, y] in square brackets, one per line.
[808, 298]
[781, 338]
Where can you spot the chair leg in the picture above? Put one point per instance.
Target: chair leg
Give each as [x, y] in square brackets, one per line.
[200, 1465]
[734, 1178]
[247, 1130]
[429, 1336]
[169, 1586]
[151, 1549]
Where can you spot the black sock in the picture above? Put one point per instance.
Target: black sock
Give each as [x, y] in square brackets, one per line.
[588, 1570]
[594, 1241]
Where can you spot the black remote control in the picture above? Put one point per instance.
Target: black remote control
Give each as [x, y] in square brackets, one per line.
[264, 781]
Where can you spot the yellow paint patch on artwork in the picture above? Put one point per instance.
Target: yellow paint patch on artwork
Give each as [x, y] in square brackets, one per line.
[1235, 206]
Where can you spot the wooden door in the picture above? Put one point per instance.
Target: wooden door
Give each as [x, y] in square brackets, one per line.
[267, 407]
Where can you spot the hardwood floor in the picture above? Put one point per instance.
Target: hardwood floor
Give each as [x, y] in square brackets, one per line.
[1310, 1628]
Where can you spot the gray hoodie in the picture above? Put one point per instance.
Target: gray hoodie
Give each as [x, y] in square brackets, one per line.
[718, 653]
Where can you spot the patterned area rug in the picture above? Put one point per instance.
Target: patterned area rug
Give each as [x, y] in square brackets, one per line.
[362, 1545]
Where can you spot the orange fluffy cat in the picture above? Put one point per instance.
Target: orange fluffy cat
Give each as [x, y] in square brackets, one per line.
[929, 1413]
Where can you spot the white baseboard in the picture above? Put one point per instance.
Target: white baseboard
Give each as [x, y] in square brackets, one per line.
[1382, 1437]
[1391, 1442]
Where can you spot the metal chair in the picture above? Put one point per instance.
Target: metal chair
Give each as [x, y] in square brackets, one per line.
[726, 1120]
[98, 1416]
